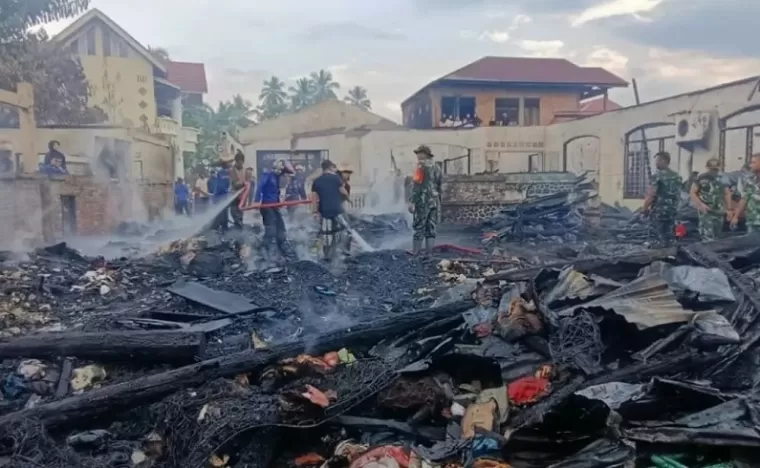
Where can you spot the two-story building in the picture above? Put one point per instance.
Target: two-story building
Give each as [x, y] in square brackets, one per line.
[508, 91]
[135, 88]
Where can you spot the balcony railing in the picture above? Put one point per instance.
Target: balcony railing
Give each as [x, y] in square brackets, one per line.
[189, 141]
[167, 126]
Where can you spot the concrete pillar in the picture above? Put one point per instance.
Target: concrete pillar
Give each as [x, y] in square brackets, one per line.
[179, 164]
[27, 127]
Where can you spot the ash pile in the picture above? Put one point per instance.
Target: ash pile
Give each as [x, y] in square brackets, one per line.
[649, 359]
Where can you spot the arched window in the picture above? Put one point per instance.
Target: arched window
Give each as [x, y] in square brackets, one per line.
[739, 137]
[641, 144]
[581, 154]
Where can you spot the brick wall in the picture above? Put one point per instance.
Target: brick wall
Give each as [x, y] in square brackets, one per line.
[471, 199]
[31, 211]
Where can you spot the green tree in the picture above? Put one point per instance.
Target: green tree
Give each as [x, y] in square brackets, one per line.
[324, 86]
[229, 116]
[160, 53]
[18, 16]
[357, 96]
[272, 99]
[60, 87]
[301, 95]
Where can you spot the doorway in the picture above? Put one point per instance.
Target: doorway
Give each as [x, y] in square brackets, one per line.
[69, 214]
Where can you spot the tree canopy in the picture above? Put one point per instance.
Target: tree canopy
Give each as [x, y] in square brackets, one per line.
[318, 86]
[61, 90]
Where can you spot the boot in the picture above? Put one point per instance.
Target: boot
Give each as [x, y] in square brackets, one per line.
[429, 244]
[416, 246]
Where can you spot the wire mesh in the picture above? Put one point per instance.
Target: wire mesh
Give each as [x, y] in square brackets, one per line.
[577, 337]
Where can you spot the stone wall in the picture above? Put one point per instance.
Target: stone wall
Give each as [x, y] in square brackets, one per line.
[32, 211]
[471, 199]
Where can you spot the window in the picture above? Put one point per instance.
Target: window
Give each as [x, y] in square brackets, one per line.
[461, 108]
[123, 50]
[532, 112]
[448, 108]
[74, 46]
[536, 162]
[640, 148]
[69, 214]
[507, 112]
[137, 170]
[142, 78]
[91, 42]
[106, 41]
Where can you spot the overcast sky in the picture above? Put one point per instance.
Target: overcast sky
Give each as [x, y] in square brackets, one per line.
[394, 47]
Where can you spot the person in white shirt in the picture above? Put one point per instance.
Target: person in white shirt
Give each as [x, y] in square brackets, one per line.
[201, 192]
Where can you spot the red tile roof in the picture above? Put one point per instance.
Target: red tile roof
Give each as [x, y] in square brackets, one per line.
[534, 70]
[596, 105]
[190, 77]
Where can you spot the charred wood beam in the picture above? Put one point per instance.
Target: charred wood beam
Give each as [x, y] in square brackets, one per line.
[638, 258]
[63, 381]
[127, 394]
[148, 346]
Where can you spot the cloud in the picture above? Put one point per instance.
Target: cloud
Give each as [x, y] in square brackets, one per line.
[542, 48]
[499, 37]
[349, 30]
[614, 8]
[608, 59]
[691, 66]
[727, 27]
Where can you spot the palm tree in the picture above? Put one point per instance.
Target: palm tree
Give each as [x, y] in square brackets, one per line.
[236, 113]
[273, 98]
[357, 96]
[301, 95]
[160, 53]
[324, 86]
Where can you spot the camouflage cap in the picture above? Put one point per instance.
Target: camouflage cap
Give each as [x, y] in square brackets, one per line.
[424, 149]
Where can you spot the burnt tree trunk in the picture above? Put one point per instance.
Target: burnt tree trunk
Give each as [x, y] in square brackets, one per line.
[127, 394]
[179, 347]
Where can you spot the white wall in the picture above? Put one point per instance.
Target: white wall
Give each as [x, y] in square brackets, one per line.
[611, 129]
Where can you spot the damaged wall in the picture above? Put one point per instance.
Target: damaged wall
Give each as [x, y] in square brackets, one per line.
[601, 140]
[149, 158]
[471, 199]
[37, 208]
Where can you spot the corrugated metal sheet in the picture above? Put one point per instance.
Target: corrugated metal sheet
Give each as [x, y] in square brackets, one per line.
[573, 284]
[645, 302]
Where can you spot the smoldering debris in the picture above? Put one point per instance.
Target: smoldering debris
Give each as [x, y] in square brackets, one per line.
[590, 361]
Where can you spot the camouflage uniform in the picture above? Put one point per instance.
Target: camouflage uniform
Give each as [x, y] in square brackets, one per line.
[662, 220]
[751, 192]
[425, 193]
[711, 190]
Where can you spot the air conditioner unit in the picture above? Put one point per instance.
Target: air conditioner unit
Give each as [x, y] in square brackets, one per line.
[692, 127]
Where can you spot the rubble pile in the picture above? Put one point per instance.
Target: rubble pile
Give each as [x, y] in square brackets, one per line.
[648, 359]
[573, 217]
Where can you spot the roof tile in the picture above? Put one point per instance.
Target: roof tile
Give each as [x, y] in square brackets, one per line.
[190, 77]
[534, 70]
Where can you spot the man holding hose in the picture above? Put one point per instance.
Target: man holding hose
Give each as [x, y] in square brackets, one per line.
[328, 192]
[268, 193]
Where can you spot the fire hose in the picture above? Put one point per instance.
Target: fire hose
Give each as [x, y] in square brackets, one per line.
[243, 204]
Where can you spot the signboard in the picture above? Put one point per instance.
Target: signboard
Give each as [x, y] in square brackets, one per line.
[310, 160]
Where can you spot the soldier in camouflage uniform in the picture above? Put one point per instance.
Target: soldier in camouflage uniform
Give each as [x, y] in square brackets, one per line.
[662, 200]
[750, 202]
[424, 199]
[712, 198]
